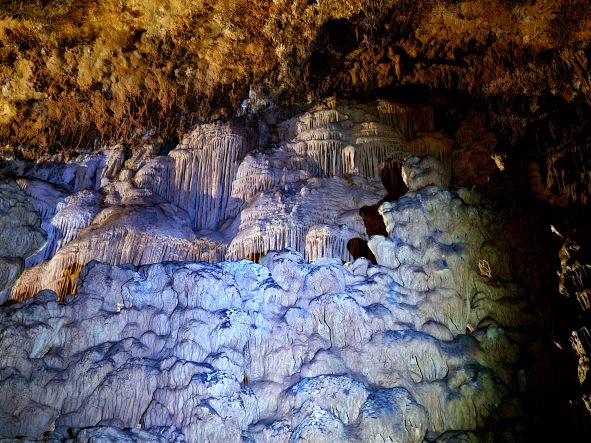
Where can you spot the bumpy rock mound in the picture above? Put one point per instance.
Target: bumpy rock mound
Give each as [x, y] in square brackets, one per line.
[283, 351]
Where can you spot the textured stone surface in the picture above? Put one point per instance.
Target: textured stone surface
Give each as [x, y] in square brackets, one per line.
[76, 73]
[227, 191]
[79, 75]
[412, 348]
[20, 233]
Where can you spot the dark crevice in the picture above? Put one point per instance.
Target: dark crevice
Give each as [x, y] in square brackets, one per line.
[358, 247]
[391, 176]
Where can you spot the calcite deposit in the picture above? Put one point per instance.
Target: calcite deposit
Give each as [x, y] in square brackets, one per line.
[420, 346]
[227, 191]
[20, 233]
[206, 234]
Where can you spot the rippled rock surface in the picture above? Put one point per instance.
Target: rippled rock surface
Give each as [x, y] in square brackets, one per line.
[428, 344]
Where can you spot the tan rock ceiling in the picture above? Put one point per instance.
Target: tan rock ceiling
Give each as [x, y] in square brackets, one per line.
[74, 73]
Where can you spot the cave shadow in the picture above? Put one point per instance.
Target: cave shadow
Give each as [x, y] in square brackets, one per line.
[391, 176]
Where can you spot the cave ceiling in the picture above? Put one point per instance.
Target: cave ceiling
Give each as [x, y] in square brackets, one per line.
[80, 74]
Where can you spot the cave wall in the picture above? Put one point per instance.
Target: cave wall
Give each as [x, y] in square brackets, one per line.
[436, 342]
[508, 82]
[229, 190]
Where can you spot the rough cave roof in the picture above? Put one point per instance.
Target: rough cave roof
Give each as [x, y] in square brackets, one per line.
[78, 73]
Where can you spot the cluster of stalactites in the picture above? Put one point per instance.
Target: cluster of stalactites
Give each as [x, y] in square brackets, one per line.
[355, 141]
[199, 177]
[315, 242]
[119, 246]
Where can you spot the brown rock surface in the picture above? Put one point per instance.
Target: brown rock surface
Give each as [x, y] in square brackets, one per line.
[78, 73]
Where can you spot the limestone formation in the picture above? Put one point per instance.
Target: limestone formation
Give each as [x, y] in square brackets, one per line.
[282, 351]
[410, 180]
[316, 218]
[201, 173]
[20, 234]
[227, 191]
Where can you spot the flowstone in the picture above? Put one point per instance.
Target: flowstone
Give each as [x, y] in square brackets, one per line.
[228, 191]
[420, 346]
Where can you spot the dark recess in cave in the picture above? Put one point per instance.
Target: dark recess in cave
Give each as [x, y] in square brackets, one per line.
[391, 176]
[358, 247]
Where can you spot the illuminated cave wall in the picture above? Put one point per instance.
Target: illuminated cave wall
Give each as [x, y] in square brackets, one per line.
[143, 144]
[429, 343]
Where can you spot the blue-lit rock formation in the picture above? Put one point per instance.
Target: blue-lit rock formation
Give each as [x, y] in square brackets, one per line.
[228, 191]
[427, 344]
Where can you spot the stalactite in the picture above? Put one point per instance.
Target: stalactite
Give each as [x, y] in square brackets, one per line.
[337, 142]
[203, 173]
[305, 192]
[326, 154]
[42, 196]
[350, 140]
[317, 220]
[155, 175]
[254, 175]
[68, 284]
[113, 245]
[326, 242]
[310, 120]
[408, 119]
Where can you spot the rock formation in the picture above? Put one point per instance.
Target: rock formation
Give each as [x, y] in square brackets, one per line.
[227, 191]
[20, 233]
[576, 303]
[423, 345]
[78, 75]
[144, 143]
